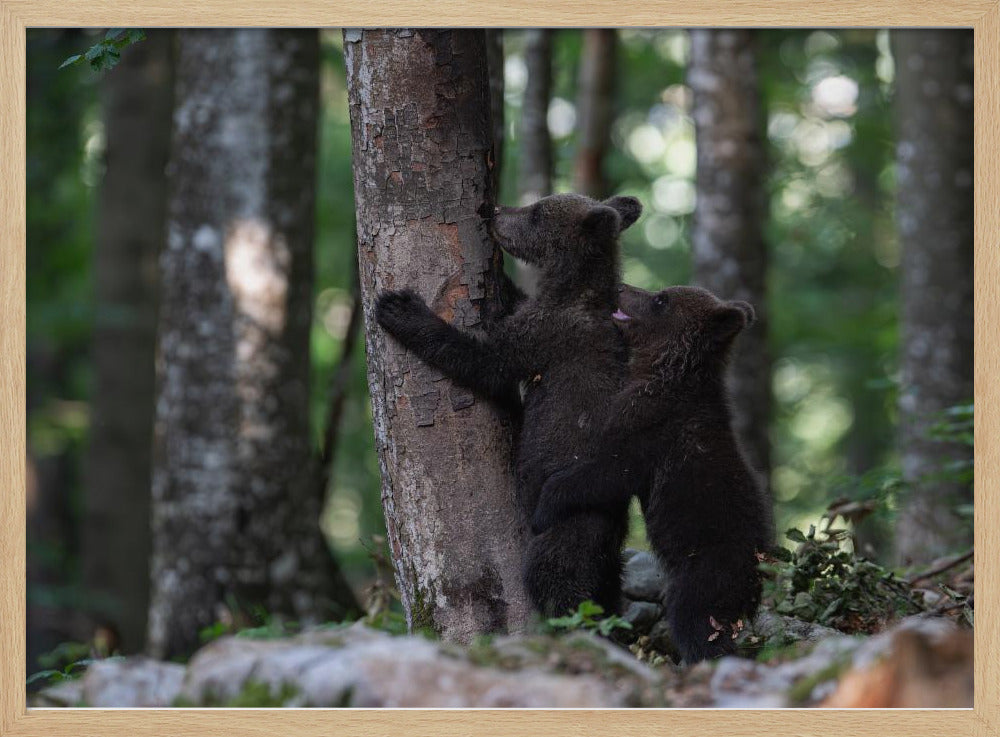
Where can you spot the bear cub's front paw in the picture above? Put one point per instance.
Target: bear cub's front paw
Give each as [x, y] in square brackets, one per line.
[397, 310]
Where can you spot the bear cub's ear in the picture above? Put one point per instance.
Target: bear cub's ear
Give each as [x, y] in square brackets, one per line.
[628, 207]
[732, 317]
[602, 221]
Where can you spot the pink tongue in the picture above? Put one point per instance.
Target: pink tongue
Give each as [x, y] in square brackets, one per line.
[619, 315]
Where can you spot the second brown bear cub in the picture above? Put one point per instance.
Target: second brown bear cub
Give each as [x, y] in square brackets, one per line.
[668, 439]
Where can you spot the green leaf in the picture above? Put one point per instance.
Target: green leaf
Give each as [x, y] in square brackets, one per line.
[589, 609]
[108, 60]
[113, 33]
[43, 675]
[75, 59]
[795, 535]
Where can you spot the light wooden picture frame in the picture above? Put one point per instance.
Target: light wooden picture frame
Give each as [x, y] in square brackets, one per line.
[18, 15]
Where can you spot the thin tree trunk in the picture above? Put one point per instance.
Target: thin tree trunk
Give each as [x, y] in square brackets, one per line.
[338, 390]
[730, 258]
[138, 96]
[495, 66]
[935, 217]
[235, 513]
[595, 110]
[420, 120]
[535, 160]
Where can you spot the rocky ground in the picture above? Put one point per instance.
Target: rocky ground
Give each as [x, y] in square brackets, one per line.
[919, 661]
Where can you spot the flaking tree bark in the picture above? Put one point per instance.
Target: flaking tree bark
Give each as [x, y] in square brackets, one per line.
[729, 252]
[137, 98]
[420, 121]
[934, 93]
[595, 110]
[235, 512]
[535, 163]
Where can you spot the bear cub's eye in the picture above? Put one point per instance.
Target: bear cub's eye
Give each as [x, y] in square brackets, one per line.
[661, 300]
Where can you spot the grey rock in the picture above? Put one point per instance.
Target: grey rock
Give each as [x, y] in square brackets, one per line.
[357, 666]
[739, 683]
[643, 580]
[642, 615]
[629, 553]
[66, 693]
[134, 682]
[776, 629]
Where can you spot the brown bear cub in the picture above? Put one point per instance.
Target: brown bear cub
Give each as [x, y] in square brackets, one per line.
[563, 354]
[668, 439]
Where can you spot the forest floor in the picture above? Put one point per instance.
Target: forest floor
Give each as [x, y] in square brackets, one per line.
[854, 636]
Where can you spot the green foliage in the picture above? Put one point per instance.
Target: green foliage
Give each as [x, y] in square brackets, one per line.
[956, 427]
[587, 617]
[66, 661]
[822, 581]
[254, 622]
[106, 54]
[253, 694]
[388, 620]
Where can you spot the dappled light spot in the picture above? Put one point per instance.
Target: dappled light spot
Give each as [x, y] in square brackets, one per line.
[258, 266]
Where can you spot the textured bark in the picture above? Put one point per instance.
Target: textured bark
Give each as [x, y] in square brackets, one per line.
[420, 120]
[235, 513]
[595, 110]
[535, 175]
[137, 98]
[495, 62]
[729, 253]
[935, 218]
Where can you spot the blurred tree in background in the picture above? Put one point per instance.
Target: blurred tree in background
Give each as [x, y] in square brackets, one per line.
[235, 485]
[833, 274]
[935, 216]
[595, 109]
[137, 102]
[728, 251]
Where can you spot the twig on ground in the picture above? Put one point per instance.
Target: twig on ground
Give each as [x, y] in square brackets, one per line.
[942, 568]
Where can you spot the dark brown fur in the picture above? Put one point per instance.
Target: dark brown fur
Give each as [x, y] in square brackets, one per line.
[669, 440]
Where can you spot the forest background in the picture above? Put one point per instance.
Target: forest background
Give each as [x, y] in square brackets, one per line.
[830, 109]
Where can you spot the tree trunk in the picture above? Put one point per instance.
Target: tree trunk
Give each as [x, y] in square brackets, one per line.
[138, 96]
[420, 120]
[535, 175]
[235, 509]
[535, 159]
[730, 258]
[595, 110]
[935, 217]
[494, 65]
